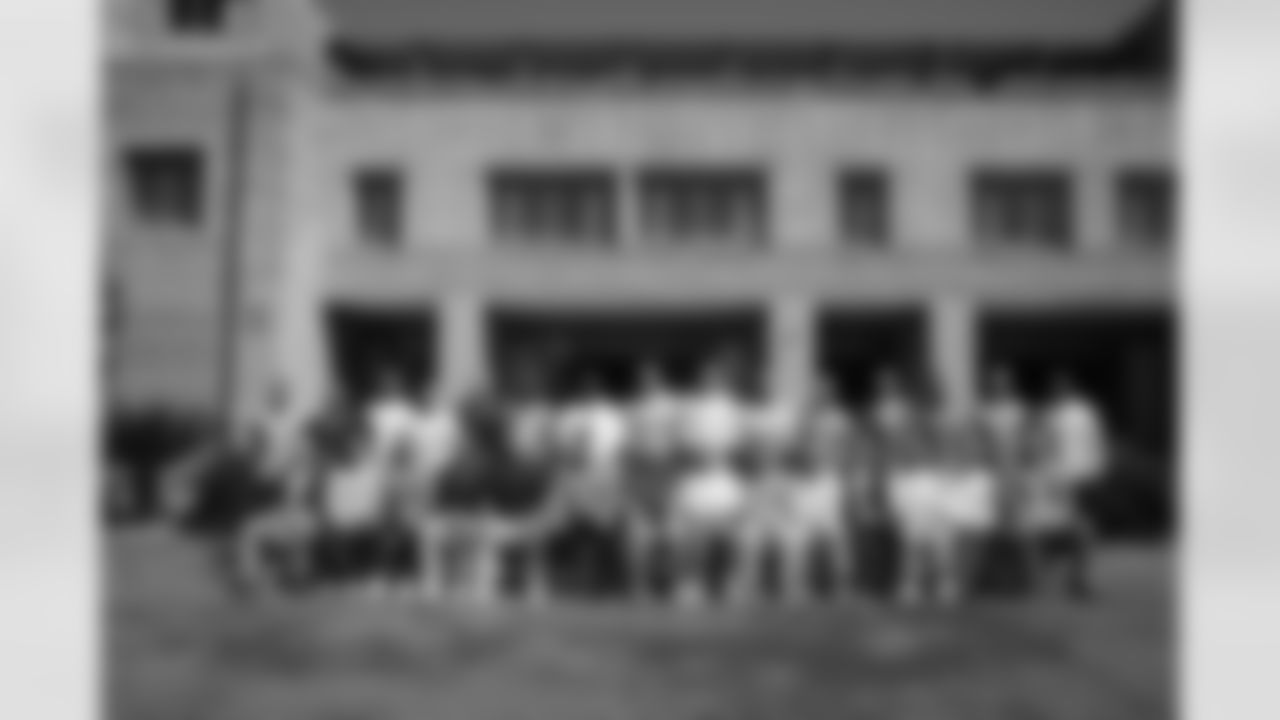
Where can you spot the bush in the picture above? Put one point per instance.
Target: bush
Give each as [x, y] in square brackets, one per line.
[139, 446]
[1138, 499]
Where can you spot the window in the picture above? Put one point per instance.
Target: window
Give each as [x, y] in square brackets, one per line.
[379, 200]
[1025, 208]
[704, 205]
[554, 205]
[197, 16]
[165, 185]
[1145, 199]
[864, 207]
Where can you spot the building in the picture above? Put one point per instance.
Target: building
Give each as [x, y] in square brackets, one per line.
[311, 193]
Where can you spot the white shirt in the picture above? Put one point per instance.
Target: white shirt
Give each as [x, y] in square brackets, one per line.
[711, 495]
[918, 498]
[1076, 443]
[392, 423]
[437, 440]
[355, 494]
[972, 498]
[714, 423]
[818, 500]
[655, 420]
[599, 431]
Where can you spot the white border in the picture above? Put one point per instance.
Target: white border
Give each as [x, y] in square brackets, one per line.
[1232, 271]
[48, 223]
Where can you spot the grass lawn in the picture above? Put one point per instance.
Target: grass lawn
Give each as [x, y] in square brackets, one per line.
[177, 650]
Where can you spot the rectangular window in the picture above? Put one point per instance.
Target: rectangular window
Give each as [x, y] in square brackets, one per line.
[704, 205]
[1023, 208]
[1146, 206]
[197, 16]
[864, 206]
[166, 185]
[554, 205]
[380, 207]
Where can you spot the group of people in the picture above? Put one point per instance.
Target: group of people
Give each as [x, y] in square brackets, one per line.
[688, 495]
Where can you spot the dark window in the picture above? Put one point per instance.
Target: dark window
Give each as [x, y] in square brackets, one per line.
[1146, 206]
[1025, 208]
[379, 199]
[166, 185]
[696, 205]
[554, 205]
[198, 16]
[864, 204]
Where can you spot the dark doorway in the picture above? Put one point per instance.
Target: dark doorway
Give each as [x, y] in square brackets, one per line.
[1125, 360]
[368, 344]
[856, 346]
[567, 349]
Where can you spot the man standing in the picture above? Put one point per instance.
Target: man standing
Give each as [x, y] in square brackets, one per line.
[391, 419]
[1005, 427]
[1077, 459]
[596, 434]
[434, 447]
[653, 465]
[714, 424]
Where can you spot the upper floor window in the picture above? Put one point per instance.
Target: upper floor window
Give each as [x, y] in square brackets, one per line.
[695, 205]
[379, 204]
[165, 185]
[864, 207]
[577, 205]
[1025, 208]
[198, 16]
[1146, 206]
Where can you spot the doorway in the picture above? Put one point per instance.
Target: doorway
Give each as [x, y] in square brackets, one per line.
[368, 345]
[569, 350]
[857, 346]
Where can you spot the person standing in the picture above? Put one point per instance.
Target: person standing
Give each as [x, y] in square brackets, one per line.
[707, 512]
[1077, 458]
[714, 426]
[391, 419]
[653, 466]
[354, 514]
[434, 446]
[595, 433]
[1005, 424]
[840, 448]
[896, 426]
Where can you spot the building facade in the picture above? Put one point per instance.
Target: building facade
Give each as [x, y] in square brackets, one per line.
[456, 206]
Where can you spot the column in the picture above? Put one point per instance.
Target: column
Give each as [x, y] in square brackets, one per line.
[791, 351]
[953, 349]
[462, 358]
[301, 363]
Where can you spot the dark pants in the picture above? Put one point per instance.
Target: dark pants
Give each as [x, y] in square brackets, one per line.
[587, 556]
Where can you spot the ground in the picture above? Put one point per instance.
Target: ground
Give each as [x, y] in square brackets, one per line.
[179, 650]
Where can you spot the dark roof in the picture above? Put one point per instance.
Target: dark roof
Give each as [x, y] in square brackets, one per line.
[1064, 24]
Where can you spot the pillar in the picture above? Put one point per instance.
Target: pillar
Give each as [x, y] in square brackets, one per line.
[301, 358]
[791, 351]
[462, 358]
[953, 349]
